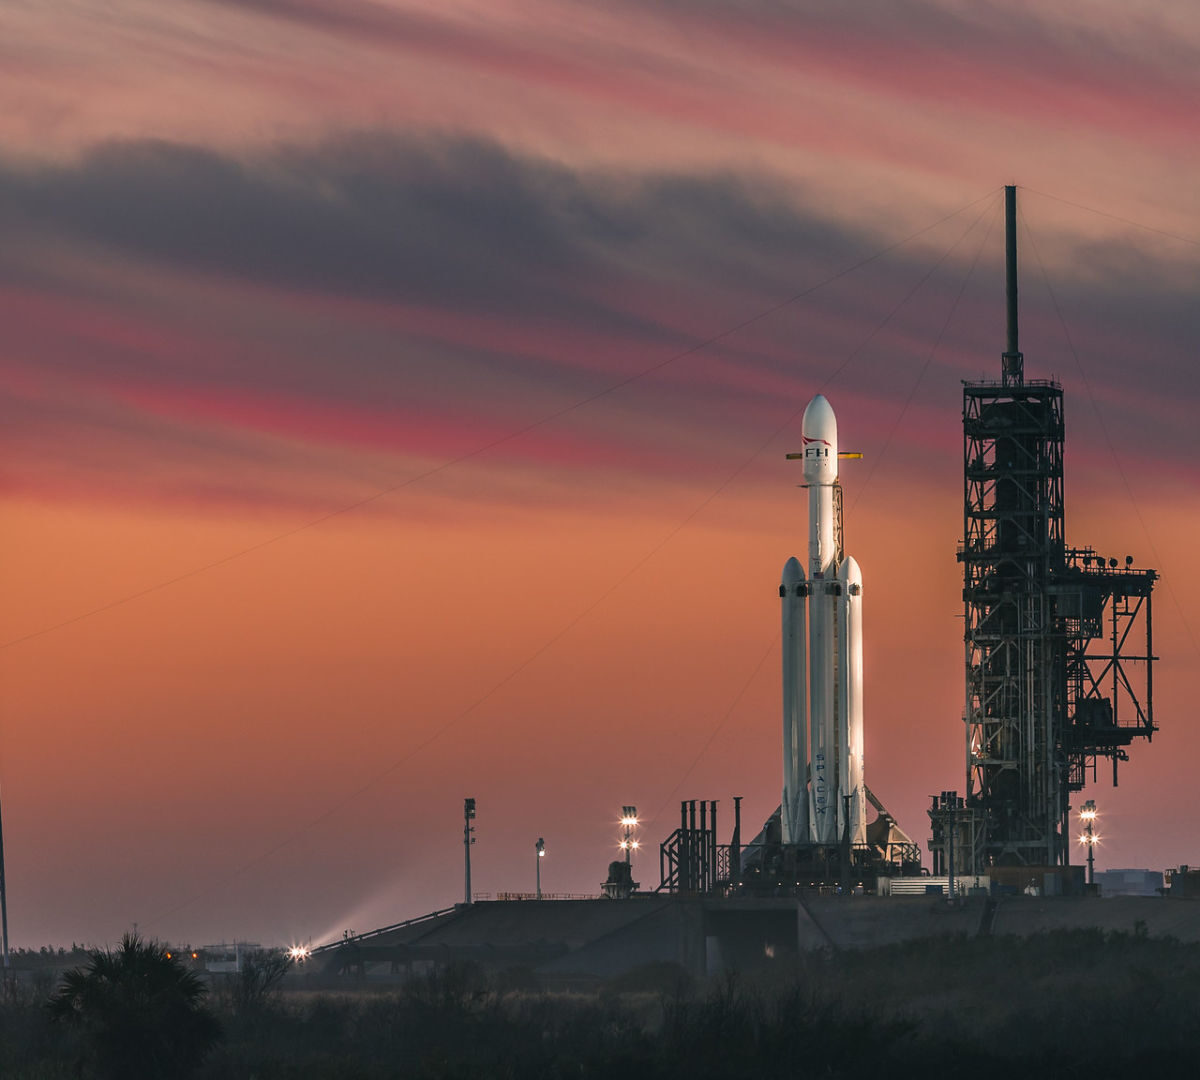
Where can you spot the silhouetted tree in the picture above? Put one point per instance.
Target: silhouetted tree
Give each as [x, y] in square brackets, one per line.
[253, 988]
[140, 1013]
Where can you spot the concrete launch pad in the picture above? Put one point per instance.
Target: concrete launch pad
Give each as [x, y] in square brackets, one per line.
[576, 942]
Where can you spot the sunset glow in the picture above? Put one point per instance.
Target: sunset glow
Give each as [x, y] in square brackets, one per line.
[397, 397]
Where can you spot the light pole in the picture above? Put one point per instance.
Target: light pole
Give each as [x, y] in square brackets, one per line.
[468, 840]
[950, 852]
[629, 820]
[541, 854]
[1089, 838]
[3, 904]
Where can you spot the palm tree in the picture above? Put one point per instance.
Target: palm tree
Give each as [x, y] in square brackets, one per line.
[141, 1012]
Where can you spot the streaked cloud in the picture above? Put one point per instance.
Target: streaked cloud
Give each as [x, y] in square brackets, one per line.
[427, 296]
[579, 266]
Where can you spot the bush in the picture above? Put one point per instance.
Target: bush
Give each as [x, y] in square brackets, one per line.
[140, 1013]
[994, 1007]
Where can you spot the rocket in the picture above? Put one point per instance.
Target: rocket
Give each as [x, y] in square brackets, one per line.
[823, 791]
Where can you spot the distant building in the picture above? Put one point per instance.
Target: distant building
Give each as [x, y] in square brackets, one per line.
[226, 958]
[1184, 882]
[1130, 882]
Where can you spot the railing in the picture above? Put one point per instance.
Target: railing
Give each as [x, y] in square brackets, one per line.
[533, 896]
[349, 939]
[926, 885]
[1038, 384]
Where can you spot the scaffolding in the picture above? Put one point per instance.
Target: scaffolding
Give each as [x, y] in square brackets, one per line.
[691, 860]
[1058, 640]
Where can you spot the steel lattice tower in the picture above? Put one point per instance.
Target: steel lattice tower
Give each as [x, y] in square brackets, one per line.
[1013, 543]
[1051, 682]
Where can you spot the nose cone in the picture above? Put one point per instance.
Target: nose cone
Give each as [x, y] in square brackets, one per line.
[818, 432]
[793, 575]
[850, 574]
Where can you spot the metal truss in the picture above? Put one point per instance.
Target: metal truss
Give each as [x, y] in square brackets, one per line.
[1051, 682]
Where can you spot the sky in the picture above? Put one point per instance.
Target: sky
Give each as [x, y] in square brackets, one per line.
[396, 397]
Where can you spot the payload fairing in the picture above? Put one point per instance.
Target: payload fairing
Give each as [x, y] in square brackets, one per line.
[824, 800]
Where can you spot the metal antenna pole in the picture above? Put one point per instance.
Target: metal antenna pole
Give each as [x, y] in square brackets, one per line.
[3, 896]
[845, 852]
[1014, 362]
[468, 840]
[950, 853]
[735, 848]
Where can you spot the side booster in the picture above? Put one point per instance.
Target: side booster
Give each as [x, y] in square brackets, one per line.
[823, 792]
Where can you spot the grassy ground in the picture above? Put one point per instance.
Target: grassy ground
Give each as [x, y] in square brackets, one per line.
[1078, 1003]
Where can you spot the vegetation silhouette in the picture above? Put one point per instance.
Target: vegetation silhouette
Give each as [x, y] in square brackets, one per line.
[139, 1013]
[255, 986]
[1086, 1002]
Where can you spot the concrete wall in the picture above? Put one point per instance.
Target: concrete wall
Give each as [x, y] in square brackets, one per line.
[602, 939]
[1154, 916]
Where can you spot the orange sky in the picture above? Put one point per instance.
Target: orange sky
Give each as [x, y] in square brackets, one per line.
[351, 353]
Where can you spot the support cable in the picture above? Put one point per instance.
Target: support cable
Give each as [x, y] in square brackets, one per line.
[882, 456]
[491, 445]
[791, 419]
[1113, 217]
[1112, 449]
[562, 632]
[771, 648]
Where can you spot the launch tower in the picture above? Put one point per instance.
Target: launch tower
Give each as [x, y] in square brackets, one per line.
[1058, 639]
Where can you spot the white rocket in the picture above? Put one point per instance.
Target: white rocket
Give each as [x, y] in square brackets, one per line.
[823, 788]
